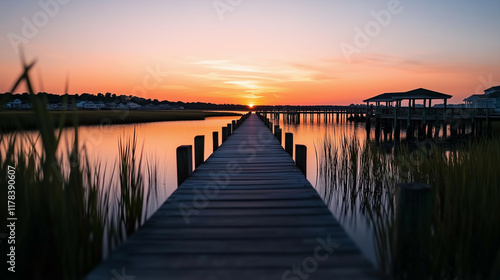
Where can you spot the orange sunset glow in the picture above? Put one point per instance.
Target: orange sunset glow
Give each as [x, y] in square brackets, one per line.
[253, 52]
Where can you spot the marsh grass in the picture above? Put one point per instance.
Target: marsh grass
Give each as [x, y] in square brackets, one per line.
[68, 208]
[361, 178]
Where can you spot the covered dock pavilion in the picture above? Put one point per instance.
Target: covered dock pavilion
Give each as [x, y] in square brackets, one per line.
[411, 96]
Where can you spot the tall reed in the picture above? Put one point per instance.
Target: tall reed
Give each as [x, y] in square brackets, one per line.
[465, 243]
[67, 209]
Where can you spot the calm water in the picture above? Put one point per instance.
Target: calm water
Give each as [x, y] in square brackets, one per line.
[159, 141]
[311, 132]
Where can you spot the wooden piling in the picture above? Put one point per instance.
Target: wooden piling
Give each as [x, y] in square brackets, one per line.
[224, 134]
[199, 150]
[301, 158]
[413, 229]
[215, 140]
[184, 163]
[289, 143]
[229, 130]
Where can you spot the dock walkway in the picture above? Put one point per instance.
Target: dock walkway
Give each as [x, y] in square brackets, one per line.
[246, 213]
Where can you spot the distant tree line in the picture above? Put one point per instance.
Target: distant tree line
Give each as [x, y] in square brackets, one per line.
[111, 97]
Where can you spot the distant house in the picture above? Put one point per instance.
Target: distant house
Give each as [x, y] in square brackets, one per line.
[121, 106]
[16, 103]
[53, 107]
[489, 100]
[89, 105]
[81, 104]
[100, 105]
[133, 106]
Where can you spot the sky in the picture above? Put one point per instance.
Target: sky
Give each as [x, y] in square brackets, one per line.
[296, 52]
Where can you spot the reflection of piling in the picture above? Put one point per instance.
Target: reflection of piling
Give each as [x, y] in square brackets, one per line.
[412, 231]
[377, 129]
[199, 150]
[184, 163]
[397, 131]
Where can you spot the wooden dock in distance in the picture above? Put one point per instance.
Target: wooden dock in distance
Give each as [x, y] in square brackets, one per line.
[246, 213]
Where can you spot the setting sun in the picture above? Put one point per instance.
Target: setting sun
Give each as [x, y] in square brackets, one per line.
[250, 105]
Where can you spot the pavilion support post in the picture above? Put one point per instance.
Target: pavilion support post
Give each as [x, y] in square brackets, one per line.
[397, 131]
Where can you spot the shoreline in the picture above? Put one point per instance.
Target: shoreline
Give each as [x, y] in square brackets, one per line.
[11, 121]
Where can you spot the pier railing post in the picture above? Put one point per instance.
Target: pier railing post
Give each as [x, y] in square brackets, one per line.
[215, 139]
[229, 130]
[224, 134]
[301, 158]
[413, 229]
[279, 135]
[184, 163]
[199, 150]
[289, 143]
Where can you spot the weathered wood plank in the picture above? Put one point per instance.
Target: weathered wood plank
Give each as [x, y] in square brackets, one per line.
[246, 213]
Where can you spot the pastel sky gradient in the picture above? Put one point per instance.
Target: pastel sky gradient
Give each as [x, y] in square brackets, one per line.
[259, 52]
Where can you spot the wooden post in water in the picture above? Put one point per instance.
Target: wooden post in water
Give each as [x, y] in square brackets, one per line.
[301, 158]
[234, 125]
[184, 163]
[276, 127]
[229, 130]
[199, 150]
[215, 139]
[224, 134]
[289, 143]
[413, 230]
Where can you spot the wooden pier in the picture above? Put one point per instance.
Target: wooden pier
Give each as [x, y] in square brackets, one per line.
[247, 212]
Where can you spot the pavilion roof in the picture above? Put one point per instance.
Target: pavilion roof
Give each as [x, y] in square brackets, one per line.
[419, 93]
